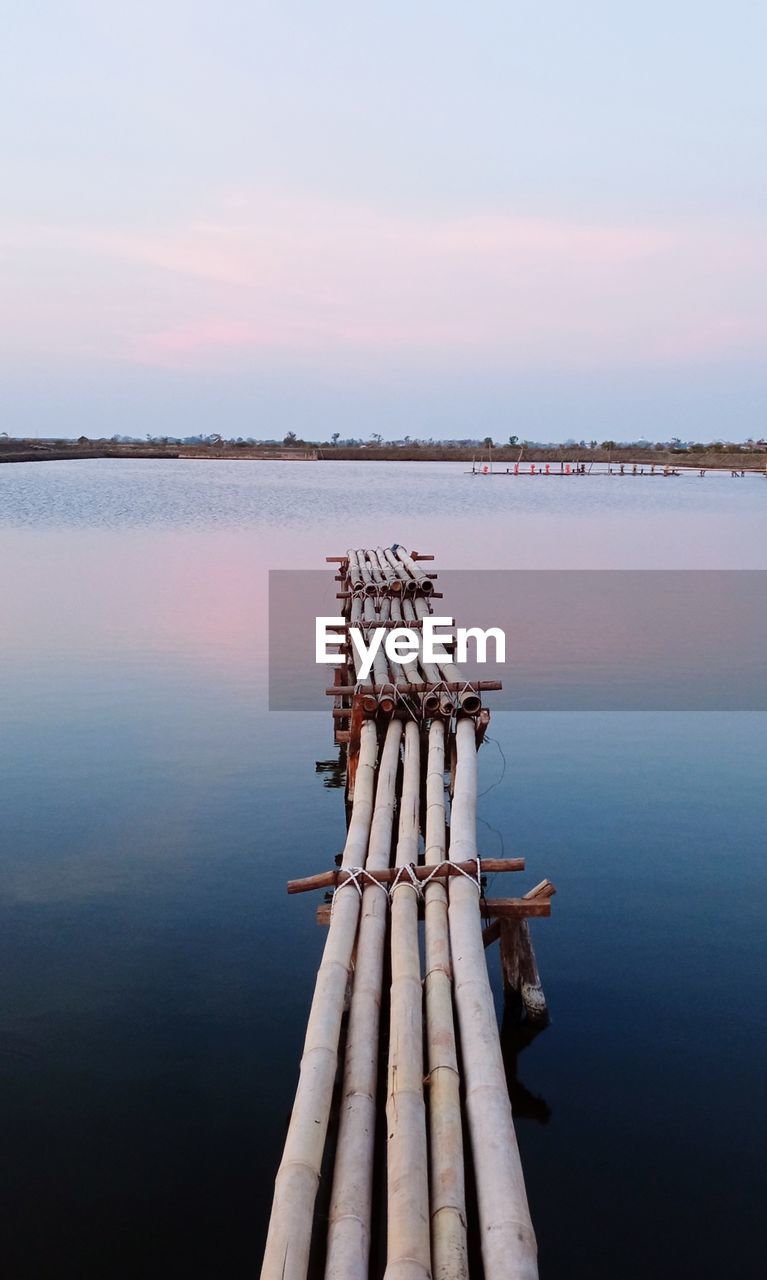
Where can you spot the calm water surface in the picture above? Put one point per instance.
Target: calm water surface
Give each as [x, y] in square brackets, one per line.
[155, 977]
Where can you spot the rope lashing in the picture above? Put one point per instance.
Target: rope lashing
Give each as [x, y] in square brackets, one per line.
[357, 876]
[406, 874]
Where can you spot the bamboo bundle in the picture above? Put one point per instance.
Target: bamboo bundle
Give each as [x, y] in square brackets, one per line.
[408, 1247]
[447, 1199]
[506, 1232]
[350, 1203]
[290, 1226]
[362, 610]
[422, 582]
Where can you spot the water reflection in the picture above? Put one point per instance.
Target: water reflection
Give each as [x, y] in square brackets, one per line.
[155, 975]
[516, 1036]
[333, 771]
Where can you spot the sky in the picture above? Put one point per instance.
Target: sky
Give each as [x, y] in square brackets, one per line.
[428, 219]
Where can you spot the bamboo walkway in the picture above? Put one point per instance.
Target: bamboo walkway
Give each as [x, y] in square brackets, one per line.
[410, 876]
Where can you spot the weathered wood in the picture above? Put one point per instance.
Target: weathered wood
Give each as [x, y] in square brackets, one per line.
[348, 1247]
[385, 875]
[446, 1186]
[290, 1226]
[408, 1236]
[517, 908]
[520, 971]
[493, 909]
[506, 1232]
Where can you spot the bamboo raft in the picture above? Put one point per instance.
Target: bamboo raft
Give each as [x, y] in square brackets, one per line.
[409, 867]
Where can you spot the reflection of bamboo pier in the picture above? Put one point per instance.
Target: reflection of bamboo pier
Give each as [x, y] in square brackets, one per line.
[398, 735]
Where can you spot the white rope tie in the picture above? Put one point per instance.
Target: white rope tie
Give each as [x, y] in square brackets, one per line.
[357, 876]
[404, 874]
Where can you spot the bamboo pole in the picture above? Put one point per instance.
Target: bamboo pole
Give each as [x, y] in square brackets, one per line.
[288, 1241]
[401, 676]
[350, 1202]
[423, 583]
[362, 607]
[389, 575]
[506, 1232]
[381, 674]
[408, 1247]
[356, 581]
[369, 585]
[412, 612]
[375, 570]
[447, 1196]
[401, 574]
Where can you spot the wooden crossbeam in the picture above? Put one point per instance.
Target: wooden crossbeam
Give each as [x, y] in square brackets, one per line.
[498, 908]
[332, 879]
[451, 686]
[384, 589]
[542, 892]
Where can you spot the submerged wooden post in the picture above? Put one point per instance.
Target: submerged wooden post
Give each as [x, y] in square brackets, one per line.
[447, 1196]
[350, 1202]
[518, 963]
[506, 1232]
[408, 1244]
[290, 1226]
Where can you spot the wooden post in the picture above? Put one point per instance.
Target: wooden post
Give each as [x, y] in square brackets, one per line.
[520, 971]
[506, 1232]
[290, 1225]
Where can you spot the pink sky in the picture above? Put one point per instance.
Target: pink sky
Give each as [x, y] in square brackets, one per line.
[298, 280]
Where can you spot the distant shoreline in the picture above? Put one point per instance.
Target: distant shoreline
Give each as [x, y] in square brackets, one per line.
[502, 457]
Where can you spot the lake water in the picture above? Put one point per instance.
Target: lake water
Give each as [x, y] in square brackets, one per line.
[155, 976]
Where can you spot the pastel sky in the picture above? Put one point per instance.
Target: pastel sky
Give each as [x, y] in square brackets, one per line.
[426, 219]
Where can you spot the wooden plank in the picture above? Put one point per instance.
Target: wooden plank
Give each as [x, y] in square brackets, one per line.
[498, 909]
